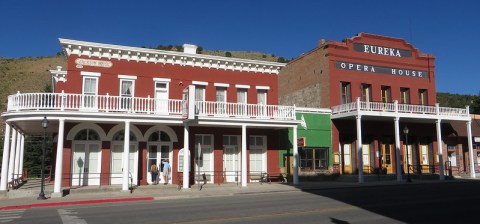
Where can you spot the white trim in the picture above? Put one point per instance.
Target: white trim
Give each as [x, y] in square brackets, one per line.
[162, 80]
[96, 74]
[121, 127]
[263, 87]
[127, 76]
[313, 110]
[71, 134]
[242, 86]
[170, 132]
[221, 84]
[200, 83]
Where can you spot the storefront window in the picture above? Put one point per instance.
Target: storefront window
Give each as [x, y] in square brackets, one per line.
[312, 159]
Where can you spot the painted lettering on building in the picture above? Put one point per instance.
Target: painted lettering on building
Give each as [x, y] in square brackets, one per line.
[91, 62]
[380, 69]
[380, 50]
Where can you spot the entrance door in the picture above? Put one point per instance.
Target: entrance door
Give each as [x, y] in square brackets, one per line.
[86, 164]
[116, 170]
[231, 162]
[157, 152]
[387, 157]
[366, 158]
[204, 157]
[161, 97]
[407, 162]
[347, 158]
[424, 159]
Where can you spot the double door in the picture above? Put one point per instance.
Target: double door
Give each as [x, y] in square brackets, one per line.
[158, 152]
[116, 170]
[86, 163]
[231, 160]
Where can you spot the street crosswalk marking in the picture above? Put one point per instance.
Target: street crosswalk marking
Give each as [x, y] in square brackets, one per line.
[10, 215]
[68, 216]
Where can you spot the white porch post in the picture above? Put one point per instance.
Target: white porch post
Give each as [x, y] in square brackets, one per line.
[186, 157]
[5, 158]
[244, 155]
[470, 149]
[440, 148]
[17, 156]
[22, 152]
[126, 152]
[359, 149]
[11, 163]
[397, 149]
[295, 156]
[59, 161]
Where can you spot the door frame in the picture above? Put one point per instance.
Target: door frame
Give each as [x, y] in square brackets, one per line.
[116, 178]
[91, 180]
[158, 159]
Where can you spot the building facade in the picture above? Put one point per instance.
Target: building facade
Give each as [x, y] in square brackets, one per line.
[378, 88]
[116, 110]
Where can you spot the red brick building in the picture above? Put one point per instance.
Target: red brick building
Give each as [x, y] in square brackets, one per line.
[376, 86]
[117, 106]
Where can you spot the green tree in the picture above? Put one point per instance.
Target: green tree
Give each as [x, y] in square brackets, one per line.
[228, 54]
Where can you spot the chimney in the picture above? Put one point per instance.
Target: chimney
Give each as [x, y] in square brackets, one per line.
[190, 48]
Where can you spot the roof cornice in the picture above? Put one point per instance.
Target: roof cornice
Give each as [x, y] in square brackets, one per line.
[99, 50]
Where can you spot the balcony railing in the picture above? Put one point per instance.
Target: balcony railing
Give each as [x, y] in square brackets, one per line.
[139, 105]
[241, 110]
[399, 108]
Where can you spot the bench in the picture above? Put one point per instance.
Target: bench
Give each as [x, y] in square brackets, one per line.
[261, 177]
[281, 177]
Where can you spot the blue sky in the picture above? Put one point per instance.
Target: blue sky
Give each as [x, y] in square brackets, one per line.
[448, 29]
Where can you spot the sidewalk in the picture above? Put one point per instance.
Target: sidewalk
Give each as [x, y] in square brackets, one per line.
[111, 194]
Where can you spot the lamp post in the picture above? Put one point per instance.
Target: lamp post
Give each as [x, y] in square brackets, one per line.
[41, 196]
[405, 131]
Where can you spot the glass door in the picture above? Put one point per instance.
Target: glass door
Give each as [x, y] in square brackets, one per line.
[161, 97]
[86, 164]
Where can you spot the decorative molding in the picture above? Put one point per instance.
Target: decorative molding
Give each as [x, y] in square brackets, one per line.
[80, 62]
[221, 84]
[96, 74]
[263, 87]
[127, 77]
[118, 52]
[200, 83]
[162, 80]
[242, 86]
[59, 75]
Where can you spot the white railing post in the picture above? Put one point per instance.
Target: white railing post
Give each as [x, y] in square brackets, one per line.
[358, 104]
[437, 108]
[395, 104]
[107, 102]
[148, 104]
[17, 98]
[62, 101]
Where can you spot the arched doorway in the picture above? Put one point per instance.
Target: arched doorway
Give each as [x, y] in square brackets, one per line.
[159, 149]
[87, 158]
[116, 163]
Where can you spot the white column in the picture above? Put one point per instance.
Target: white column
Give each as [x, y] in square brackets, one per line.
[59, 161]
[470, 149]
[12, 156]
[397, 149]
[244, 155]
[17, 156]
[126, 153]
[22, 152]
[440, 148]
[359, 149]
[295, 156]
[6, 154]
[186, 157]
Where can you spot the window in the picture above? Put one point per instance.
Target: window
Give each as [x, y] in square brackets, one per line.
[386, 94]
[199, 98]
[90, 91]
[161, 96]
[422, 97]
[262, 102]
[366, 92]
[345, 92]
[312, 159]
[452, 158]
[87, 135]
[405, 95]
[242, 101]
[126, 93]
[221, 98]
[203, 153]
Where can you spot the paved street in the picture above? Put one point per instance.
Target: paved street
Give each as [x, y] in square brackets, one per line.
[440, 202]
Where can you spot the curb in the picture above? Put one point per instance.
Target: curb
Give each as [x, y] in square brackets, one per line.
[114, 200]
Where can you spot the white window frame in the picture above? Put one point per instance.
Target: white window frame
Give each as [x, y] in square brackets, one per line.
[263, 148]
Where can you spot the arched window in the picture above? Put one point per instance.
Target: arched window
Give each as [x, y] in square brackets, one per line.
[87, 135]
[120, 136]
[159, 136]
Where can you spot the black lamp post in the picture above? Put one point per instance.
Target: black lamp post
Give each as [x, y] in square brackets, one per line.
[41, 196]
[405, 131]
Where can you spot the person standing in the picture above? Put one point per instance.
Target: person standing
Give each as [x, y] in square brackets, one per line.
[166, 171]
[154, 172]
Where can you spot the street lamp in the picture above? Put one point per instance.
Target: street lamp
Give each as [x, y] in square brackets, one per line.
[405, 131]
[41, 196]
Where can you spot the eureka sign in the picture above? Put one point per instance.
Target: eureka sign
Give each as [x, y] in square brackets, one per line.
[387, 51]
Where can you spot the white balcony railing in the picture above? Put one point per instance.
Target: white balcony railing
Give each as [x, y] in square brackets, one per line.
[400, 108]
[241, 110]
[113, 104]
